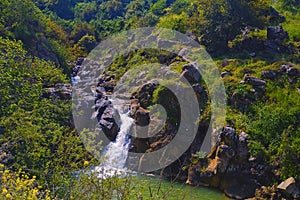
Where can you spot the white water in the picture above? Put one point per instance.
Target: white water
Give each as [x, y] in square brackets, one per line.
[115, 153]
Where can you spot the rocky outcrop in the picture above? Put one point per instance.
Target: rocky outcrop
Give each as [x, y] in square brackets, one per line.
[143, 98]
[104, 111]
[277, 33]
[62, 91]
[275, 37]
[243, 99]
[139, 102]
[190, 72]
[289, 189]
[144, 94]
[77, 66]
[292, 72]
[289, 69]
[226, 167]
[275, 42]
[267, 193]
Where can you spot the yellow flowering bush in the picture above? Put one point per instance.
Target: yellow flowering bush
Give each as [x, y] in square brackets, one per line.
[19, 186]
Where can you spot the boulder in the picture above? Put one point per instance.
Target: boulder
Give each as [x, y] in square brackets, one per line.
[292, 71]
[107, 120]
[224, 74]
[289, 188]
[144, 94]
[276, 33]
[105, 113]
[269, 74]
[79, 60]
[190, 72]
[284, 68]
[183, 52]
[225, 62]
[201, 94]
[239, 187]
[110, 128]
[142, 117]
[255, 82]
[108, 86]
[226, 166]
[267, 193]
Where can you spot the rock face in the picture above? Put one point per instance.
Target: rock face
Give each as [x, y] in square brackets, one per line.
[226, 167]
[142, 99]
[139, 101]
[104, 110]
[105, 114]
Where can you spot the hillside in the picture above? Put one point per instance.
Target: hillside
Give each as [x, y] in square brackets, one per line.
[254, 44]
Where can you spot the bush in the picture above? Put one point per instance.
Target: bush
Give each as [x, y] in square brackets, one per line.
[18, 186]
[274, 131]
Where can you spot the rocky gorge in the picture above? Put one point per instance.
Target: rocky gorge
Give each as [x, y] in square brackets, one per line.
[228, 166]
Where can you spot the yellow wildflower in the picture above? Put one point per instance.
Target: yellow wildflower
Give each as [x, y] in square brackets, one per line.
[4, 191]
[9, 196]
[86, 163]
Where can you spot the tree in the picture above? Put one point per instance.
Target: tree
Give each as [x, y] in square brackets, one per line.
[174, 22]
[221, 21]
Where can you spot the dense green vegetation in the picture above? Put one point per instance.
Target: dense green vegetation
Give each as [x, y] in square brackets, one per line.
[39, 40]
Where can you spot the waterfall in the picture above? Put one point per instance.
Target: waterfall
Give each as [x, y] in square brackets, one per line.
[115, 153]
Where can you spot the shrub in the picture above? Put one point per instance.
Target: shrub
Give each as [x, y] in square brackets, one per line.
[18, 186]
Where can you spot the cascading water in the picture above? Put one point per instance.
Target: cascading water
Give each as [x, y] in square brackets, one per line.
[115, 153]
